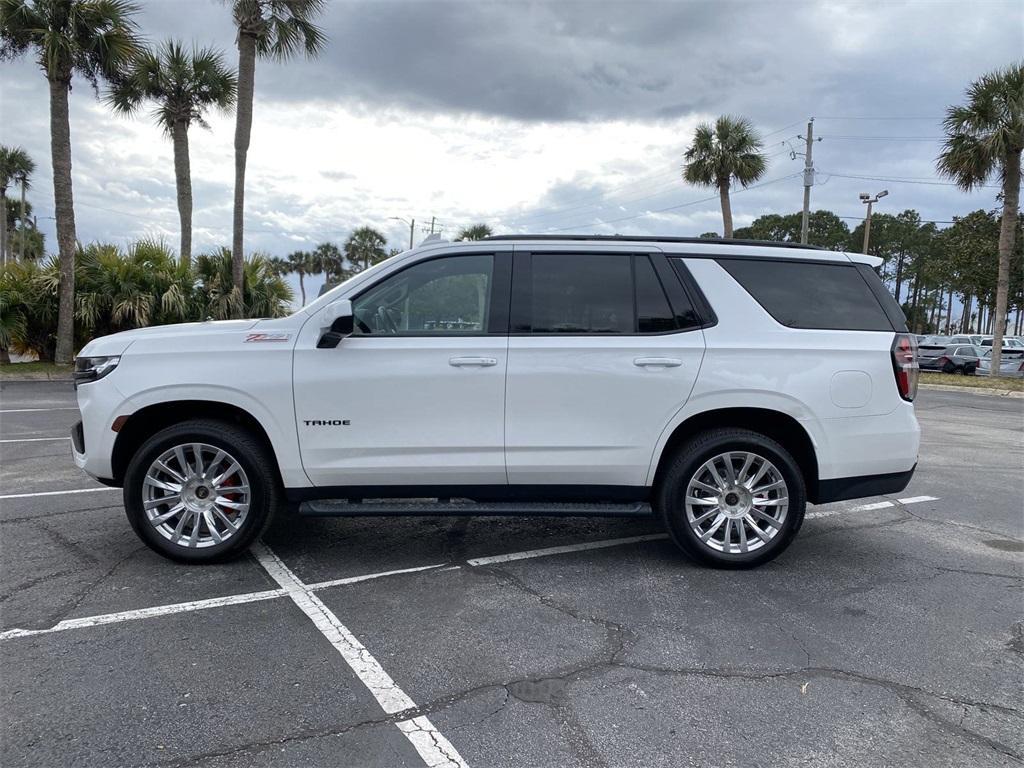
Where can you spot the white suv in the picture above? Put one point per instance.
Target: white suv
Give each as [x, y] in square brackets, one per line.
[724, 383]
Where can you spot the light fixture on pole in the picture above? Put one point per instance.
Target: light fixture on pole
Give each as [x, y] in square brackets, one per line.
[869, 201]
[412, 227]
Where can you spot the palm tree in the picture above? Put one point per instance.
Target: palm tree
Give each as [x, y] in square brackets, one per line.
[475, 232]
[720, 154]
[183, 84]
[274, 29]
[985, 139]
[299, 262]
[365, 245]
[15, 166]
[91, 38]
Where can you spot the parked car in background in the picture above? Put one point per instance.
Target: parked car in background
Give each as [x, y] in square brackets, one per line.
[1009, 342]
[972, 338]
[953, 358]
[1011, 365]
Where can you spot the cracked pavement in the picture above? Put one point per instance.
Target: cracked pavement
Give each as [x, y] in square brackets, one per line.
[892, 637]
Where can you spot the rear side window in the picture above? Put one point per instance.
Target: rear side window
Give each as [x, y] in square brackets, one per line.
[653, 312]
[597, 293]
[804, 294]
[575, 293]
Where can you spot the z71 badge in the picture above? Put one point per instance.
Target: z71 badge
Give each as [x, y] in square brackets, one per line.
[253, 337]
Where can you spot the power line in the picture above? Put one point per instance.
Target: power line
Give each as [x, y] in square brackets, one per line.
[901, 180]
[884, 138]
[673, 207]
[878, 117]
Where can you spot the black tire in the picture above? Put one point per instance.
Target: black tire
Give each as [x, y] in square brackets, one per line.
[670, 493]
[245, 448]
[950, 368]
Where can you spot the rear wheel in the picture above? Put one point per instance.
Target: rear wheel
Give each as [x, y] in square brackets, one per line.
[200, 491]
[732, 498]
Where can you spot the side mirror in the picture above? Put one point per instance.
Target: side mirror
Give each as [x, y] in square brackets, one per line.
[340, 323]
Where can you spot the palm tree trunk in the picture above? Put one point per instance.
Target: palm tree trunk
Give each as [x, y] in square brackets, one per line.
[1007, 233]
[183, 185]
[3, 226]
[899, 274]
[64, 211]
[723, 196]
[21, 222]
[949, 312]
[302, 287]
[243, 131]
[965, 320]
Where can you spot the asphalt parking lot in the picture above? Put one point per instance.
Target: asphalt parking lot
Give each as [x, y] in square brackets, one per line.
[890, 634]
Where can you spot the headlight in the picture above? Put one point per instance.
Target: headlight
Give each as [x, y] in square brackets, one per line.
[92, 368]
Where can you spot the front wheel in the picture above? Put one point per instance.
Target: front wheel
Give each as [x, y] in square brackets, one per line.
[732, 498]
[200, 491]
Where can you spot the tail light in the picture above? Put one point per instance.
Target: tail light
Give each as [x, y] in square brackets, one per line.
[904, 365]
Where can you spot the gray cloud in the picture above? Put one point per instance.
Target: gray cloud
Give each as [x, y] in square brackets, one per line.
[562, 62]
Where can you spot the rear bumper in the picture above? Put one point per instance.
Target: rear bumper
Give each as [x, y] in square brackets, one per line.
[843, 488]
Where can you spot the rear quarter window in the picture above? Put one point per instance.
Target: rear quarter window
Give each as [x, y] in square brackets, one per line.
[806, 294]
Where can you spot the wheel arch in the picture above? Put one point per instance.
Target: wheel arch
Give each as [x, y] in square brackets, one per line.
[149, 420]
[778, 426]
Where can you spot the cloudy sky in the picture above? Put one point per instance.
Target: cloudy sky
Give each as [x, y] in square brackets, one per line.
[539, 117]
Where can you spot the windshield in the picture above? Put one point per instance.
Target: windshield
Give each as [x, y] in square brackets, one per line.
[340, 289]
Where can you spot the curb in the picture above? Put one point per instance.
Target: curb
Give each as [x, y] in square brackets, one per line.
[973, 390]
[34, 377]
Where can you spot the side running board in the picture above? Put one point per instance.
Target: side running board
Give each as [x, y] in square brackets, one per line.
[444, 507]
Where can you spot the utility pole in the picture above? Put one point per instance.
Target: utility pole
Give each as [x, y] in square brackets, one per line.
[432, 218]
[808, 180]
[869, 201]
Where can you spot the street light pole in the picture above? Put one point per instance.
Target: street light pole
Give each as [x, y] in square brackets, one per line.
[412, 227]
[869, 201]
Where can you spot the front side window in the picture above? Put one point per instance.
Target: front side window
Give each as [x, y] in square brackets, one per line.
[440, 297]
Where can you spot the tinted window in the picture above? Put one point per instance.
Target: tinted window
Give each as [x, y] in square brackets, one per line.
[438, 297]
[581, 293]
[653, 312]
[801, 294]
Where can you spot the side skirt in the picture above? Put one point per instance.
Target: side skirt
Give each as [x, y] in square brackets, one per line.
[561, 501]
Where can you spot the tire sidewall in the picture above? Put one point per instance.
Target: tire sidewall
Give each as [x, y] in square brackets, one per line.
[672, 491]
[239, 446]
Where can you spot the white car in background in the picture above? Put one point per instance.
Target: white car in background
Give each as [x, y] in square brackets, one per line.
[726, 384]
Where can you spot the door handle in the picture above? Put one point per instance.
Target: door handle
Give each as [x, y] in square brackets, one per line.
[479, 362]
[657, 362]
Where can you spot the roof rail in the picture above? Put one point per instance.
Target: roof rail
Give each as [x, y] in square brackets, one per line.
[659, 239]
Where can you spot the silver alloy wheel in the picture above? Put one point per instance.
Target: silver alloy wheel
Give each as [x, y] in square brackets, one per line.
[736, 502]
[196, 495]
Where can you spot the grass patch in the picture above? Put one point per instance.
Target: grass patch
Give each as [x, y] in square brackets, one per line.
[972, 382]
[35, 371]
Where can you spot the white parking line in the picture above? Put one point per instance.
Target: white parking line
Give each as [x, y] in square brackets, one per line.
[217, 602]
[37, 410]
[530, 553]
[145, 613]
[56, 493]
[869, 507]
[194, 605]
[431, 745]
[35, 439]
